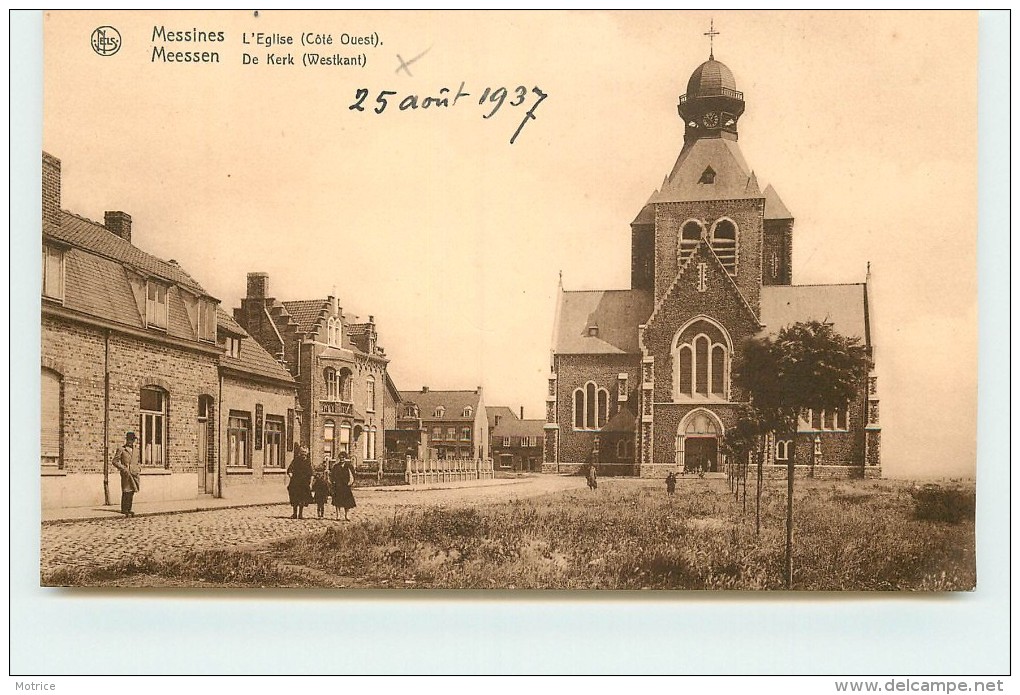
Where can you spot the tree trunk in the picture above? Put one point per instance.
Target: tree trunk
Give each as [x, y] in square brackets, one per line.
[743, 477]
[757, 501]
[789, 513]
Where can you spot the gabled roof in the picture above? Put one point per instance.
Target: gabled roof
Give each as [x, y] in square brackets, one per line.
[774, 208]
[733, 179]
[513, 427]
[504, 413]
[254, 358]
[454, 403]
[616, 313]
[306, 312]
[92, 236]
[841, 305]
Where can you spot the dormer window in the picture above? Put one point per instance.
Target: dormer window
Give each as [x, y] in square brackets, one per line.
[468, 412]
[439, 412]
[53, 273]
[233, 346]
[155, 305]
[707, 176]
[593, 331]
[206, 320]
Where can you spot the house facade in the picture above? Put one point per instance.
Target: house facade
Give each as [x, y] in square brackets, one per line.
[130, 343]
[641, 377]
[454, 423]
[517, 444]
[344, 401]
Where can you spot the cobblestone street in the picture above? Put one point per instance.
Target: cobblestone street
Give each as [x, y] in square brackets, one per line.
[100, 542]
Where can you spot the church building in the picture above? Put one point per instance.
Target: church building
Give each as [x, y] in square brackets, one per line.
[641, 377]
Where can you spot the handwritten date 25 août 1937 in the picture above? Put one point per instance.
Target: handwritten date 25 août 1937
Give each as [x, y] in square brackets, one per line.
[446, 98]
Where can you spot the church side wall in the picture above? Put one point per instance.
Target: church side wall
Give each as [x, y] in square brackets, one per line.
[574, 371]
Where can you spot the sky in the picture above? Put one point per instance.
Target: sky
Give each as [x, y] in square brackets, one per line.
[453, 238]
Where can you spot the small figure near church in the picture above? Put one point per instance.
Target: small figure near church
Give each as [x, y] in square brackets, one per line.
[671, 483]
[126, 461]
[593, 477]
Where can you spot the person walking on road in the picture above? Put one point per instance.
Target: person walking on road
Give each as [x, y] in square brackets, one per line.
[342, 475]
[299, 487]
[125, 460]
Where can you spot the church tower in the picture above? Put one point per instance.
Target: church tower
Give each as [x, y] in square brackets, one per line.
[641, 378]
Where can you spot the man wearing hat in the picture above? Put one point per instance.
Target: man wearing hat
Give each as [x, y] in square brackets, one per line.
[125, 460]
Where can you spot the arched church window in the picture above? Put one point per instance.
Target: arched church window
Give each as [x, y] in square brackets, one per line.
[690, 235]
[724, 243]
[591, 407]
[701, 362]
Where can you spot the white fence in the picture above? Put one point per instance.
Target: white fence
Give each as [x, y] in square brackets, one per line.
[447, 470]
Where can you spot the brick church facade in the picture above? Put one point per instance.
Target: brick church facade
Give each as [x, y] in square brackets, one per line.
[641, 377]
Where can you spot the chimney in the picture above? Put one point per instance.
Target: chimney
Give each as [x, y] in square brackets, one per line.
[119, 223]
[258, 285]
[522, 412]
[50, 191]
[424, 389]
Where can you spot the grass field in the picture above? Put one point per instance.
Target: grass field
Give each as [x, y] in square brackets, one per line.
[852, 535]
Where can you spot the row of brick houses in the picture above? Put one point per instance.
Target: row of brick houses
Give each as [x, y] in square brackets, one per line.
[133, 343]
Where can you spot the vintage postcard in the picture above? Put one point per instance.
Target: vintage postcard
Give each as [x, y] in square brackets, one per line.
[509, 300]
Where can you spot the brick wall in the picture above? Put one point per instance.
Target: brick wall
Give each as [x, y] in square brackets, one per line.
[684, 303]
[76, 353]
[183, 374]
[50, 191]
[242, 395]
[778, 240]
[747, 214]
[574, 371]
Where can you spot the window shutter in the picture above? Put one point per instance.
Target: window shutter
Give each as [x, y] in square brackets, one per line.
[50, 440]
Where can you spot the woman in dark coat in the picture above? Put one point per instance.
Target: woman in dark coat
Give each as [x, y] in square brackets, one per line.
[342, 475]
[299, 487]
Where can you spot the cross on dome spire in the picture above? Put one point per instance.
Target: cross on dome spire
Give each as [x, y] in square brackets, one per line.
[711, 34]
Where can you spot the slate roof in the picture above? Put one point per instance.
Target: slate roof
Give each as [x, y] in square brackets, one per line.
[84, 233]
[504, 413]
[774, 208]
[733, 180]
[841, 305]
[617, 313]
[514, 427]
[254, 358]
[453, 401]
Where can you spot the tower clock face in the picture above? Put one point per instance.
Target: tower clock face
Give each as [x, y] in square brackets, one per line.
[710, 119]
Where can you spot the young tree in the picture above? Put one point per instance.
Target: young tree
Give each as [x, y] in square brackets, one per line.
[806, 365]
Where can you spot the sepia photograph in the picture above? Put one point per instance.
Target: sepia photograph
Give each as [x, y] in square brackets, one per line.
[522, 303]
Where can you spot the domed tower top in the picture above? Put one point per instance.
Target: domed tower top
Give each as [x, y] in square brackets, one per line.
[712, 104]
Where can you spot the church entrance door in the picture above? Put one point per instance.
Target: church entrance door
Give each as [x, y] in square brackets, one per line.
[701, 452]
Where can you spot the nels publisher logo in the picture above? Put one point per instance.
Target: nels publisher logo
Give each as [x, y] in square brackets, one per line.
[106, 41]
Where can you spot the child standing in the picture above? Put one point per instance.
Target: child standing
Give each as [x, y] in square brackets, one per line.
[320, 491]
